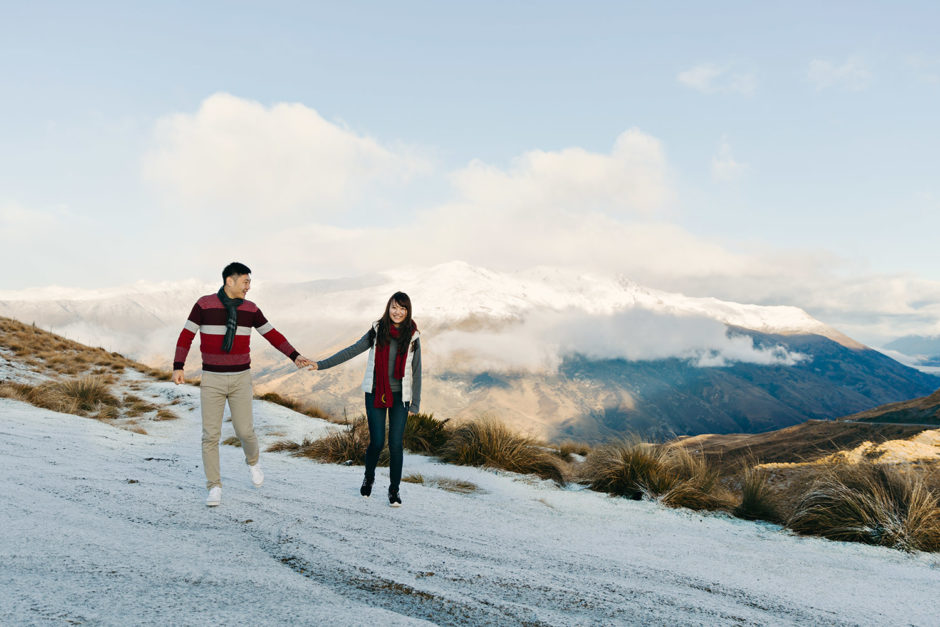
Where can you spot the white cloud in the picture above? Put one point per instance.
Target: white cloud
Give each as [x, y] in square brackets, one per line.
[566, 208]
[608, 211]
[851, 75]
[710, 78]
[238, 154]
[724, 165]
[632, 178]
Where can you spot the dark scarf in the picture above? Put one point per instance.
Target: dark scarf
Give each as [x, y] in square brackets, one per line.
[231, 324]
[383, 390]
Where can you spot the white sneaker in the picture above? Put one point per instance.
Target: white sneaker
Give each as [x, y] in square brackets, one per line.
[257, 477]
[215, 497]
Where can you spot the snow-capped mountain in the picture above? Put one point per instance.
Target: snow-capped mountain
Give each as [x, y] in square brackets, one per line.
[554, 351]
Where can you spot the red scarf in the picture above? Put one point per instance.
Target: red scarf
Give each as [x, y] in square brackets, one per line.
[383, 390]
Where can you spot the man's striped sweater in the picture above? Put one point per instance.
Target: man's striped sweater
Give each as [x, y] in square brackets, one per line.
[208, 317]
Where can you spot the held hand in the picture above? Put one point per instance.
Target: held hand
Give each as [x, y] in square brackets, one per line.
[177, 377]
[313, 366]
[302, 362]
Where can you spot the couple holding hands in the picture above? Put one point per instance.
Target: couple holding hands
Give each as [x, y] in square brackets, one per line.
[392, 381]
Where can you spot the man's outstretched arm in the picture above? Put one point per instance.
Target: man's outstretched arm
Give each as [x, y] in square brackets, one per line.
[278, 341]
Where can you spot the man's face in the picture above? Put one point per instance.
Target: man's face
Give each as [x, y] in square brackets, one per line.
[238, 285]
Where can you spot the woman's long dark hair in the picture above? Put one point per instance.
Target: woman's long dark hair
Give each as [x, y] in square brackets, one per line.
[406, 329]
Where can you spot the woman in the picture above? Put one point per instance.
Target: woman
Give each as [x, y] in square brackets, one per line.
[392, 384]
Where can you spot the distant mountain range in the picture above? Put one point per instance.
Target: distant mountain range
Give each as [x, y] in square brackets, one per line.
[924, 350]
[551, 351]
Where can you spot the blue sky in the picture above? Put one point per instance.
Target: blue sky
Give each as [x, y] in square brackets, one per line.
[772, 153]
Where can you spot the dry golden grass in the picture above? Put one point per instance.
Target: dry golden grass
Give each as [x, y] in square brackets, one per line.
[425, 434]
[232, 441]
[136, 406]
[82, 396]
[677, 477]
[302, 407]
[871, 503]
[340, 447]
[757, 498]
[89, 393]
[457, 486]
[107, 413]
[488, 442]
[628, 468]
[53, 354]
[165, 414]
[689, 481]
[283, 446]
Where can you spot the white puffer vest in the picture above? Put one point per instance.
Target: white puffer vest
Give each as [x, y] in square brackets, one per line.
[406, 381]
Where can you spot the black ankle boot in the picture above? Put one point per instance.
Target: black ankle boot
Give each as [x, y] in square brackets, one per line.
[394, 499]
[366, 489]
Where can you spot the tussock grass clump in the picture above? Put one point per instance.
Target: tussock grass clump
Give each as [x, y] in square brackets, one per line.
[136, 406]
[632, 469]
[301, 407]
[15, 391]
[871, 503]
[347, 445]
[88, 392]
[81, 397]
[76, 396]
[165, 414]
[108, 412]
[488, 442]
[282, 446]
[232, 440]
[415, 477]
[691, 482]
[425, 434]
[757, 500]
[629, 468]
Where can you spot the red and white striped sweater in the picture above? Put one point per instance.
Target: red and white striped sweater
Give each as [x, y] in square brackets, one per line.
[208, 317]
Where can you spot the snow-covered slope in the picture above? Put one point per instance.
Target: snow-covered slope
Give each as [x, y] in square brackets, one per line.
[102, 525]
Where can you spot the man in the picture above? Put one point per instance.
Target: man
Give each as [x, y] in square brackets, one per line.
[224, 321]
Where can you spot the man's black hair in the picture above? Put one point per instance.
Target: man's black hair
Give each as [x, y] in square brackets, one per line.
[235, 269]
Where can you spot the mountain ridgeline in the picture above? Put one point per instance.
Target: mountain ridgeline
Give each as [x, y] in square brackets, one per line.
[659, 399]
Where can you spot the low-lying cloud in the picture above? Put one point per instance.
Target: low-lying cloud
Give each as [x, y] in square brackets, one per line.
[541, 341]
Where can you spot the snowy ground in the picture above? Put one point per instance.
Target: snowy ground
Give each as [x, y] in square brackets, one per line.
[102, 525]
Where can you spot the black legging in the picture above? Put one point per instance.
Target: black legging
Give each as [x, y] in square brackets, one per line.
[397, 415]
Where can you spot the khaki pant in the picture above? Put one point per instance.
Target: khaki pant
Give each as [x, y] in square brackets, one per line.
[214, 390]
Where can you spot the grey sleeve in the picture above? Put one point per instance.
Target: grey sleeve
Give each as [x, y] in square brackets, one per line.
[346, 354]
[416, 378]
